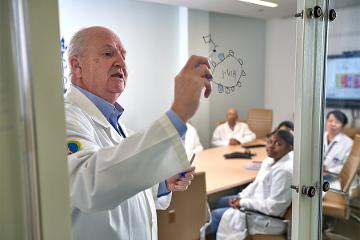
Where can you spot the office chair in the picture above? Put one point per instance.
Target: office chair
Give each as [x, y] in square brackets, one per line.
[336, 203]
[260, 121]
[187, 217]
[351, 132]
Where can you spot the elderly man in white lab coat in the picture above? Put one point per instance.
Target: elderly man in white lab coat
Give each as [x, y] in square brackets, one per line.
[117, 178]
[269, 194]
[232, 132]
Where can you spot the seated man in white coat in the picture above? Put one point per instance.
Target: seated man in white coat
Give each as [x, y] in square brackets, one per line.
[192, 141]
[117, 179]
[232, 132]
[269, 194]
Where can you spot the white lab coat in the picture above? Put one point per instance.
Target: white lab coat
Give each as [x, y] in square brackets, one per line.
[336, 152]
[223, 133]
[192, 142]
[114, 181]
[269, 193]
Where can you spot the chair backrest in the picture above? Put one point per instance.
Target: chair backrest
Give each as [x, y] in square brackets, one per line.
[220, 122]
[260, 121]
[351, 165]
[186, 214]
[351, 132]
[288, 214]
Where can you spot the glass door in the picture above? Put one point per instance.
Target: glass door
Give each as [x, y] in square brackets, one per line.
[327, 93]
[307, 189]
[341, 218]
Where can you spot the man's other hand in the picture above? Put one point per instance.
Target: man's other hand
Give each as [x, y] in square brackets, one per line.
[178, 183]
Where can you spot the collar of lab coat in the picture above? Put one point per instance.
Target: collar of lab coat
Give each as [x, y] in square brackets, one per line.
[282, 161]
[77, 98]
[338, 138]
[236, 127]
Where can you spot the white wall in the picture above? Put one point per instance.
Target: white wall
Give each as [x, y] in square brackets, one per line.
[150, 33]
[246, 37]
[280, 68]
[199, 27]
[344, 32]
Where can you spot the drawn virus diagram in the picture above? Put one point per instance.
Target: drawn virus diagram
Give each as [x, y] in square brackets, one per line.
[226, 68]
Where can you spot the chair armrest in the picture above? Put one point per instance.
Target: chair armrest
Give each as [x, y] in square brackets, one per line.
[338, 191]
[250, 211]
[331, 173]
[208, 222]
[287, 222]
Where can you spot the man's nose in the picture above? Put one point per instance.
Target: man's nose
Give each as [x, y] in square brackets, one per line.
[120, 62]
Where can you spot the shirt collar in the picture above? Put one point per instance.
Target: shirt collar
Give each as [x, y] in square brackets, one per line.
[337, 138]
[109, 110]
[282, 160]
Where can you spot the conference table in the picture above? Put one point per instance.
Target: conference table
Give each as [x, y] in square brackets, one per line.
[223, 174]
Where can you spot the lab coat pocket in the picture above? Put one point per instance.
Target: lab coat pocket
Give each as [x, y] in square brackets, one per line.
[232, 225]
[260, 224]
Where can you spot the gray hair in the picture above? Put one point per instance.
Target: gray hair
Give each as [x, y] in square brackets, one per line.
[77, 44]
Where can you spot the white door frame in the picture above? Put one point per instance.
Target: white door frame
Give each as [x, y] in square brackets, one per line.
[309, 100]
[33, 75]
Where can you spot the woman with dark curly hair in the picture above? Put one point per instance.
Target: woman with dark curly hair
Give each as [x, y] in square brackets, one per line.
[269, 194]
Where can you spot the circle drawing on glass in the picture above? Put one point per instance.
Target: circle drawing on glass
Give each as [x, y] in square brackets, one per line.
[226, 68]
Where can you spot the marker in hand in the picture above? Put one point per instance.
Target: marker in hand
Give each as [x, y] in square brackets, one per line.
[182, 174]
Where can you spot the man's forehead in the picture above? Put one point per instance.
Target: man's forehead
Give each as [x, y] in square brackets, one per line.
[106, 39]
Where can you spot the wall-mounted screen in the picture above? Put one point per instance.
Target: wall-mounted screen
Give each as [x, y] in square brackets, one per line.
[343, 80]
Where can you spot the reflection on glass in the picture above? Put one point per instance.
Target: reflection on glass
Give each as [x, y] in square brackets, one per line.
[341, 155]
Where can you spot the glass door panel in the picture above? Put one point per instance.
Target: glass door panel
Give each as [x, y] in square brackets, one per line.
[341, 114]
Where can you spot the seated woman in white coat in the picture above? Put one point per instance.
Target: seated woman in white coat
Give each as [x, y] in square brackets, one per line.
[232, 132]
[337, 145]
[269, 194]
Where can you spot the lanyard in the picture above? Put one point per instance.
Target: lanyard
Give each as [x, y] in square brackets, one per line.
[329, 149]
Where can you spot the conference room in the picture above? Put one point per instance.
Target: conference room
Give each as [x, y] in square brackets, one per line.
[289, 62]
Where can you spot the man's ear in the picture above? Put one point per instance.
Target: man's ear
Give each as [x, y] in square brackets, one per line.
[75, 67]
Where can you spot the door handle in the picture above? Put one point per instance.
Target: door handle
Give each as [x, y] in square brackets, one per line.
[326, 186]
[296, 188]
[332, 15]
[315, 12]
[309, 191]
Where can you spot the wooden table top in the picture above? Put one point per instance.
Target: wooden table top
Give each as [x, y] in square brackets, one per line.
[223, 174]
